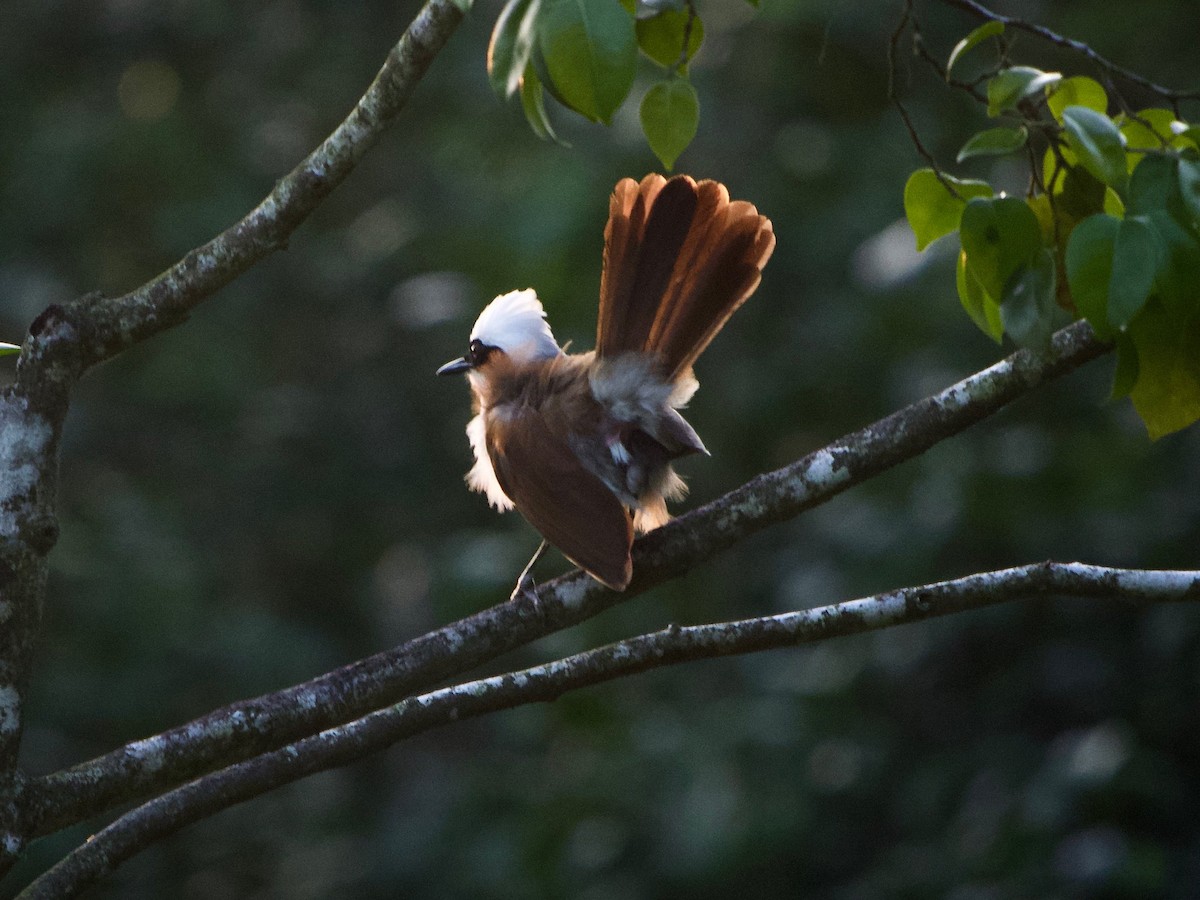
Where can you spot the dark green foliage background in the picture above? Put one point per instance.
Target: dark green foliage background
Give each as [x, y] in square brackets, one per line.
[275, 488]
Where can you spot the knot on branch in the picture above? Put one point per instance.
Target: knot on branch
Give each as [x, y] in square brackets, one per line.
[55, 353]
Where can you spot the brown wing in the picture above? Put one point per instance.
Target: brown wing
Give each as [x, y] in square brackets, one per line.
[569, 505]
[679, 259]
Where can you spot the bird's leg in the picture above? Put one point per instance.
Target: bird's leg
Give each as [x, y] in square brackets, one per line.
[525, 583]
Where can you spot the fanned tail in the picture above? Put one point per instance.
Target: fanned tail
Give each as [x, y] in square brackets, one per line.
[679, 259]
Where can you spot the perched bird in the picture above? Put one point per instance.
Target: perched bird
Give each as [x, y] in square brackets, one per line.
[582, 444]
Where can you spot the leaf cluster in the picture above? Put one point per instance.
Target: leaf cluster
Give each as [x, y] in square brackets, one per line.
[584, 54]
[1109, 230]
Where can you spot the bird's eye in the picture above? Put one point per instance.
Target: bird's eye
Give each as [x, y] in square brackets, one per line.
[478, 352]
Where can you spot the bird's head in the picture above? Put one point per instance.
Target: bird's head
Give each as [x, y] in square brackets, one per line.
[513, 324]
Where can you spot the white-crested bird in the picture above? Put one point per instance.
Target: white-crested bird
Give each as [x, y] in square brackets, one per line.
[582, 444]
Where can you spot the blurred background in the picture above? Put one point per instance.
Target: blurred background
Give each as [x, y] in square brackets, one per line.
[275, 488]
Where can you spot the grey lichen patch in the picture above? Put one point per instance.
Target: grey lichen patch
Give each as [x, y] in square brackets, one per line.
[25, 451]
[10, 711]
[572, 593]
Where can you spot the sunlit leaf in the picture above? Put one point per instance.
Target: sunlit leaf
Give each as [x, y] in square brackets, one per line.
[932, 210]
[1150, 129]
[1113, 205]
[1096, 141]
[670, 113]
[661, 37]
[1077, 91]
[1010, 86]
[974, 39]
[999, 236]
[590, 53]
[983, 310]
[1187, 135]
[994, 142]
[9, 349]
[646, 9]
[1167, 391]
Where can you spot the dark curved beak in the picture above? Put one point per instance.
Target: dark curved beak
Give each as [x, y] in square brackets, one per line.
[455, 366]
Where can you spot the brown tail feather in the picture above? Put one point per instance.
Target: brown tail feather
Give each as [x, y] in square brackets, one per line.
[679, 259]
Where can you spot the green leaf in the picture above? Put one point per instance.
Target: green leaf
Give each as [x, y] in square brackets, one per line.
[464, 6]
[1189, 188]
[647, 9]
[1187, 135]
[1167, 392]
[670, 113]
[999, 236]
[1177, 281]
[1151, 129]
[1028, 305]
[1081, 194]
[1010, 86]
[1126, 374]
[1077, 91]
[661, 38]
[983, 310]
[1154, 185]
[510, 46]
[1089, 259]
[9, 349]
[994, 142]
[933, 211]
[590, 53]
[1113, 205]
[534, 105]
[974, 39]
[1134, 266]
[1096, 141]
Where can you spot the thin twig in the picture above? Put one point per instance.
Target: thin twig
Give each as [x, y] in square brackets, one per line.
[684, 56]
[893, 45]
[1079, 47]
[167, 814]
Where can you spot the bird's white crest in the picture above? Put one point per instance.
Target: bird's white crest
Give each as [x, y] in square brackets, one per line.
[516, 323]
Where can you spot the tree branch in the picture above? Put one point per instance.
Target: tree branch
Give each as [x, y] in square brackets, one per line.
[64, 341]
[982, 12]
[95, 328]
[167, 814]
[245, 729]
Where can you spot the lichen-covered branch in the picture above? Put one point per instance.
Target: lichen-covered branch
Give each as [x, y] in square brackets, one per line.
[64, 341]
[246, 729]
[169, 813]
[96, 327]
